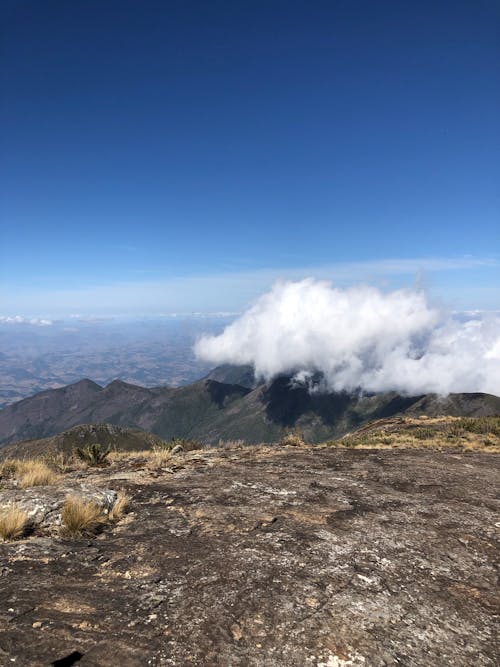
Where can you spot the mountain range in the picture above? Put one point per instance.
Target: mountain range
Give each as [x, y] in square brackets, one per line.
[213, 408]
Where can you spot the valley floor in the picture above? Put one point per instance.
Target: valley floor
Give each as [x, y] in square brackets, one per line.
[268, 557]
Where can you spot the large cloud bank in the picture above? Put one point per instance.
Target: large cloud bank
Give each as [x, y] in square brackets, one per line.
[361, 338]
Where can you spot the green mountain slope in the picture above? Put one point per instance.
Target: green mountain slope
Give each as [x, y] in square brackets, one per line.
[209, 410]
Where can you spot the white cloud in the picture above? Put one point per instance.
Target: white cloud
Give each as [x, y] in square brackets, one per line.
[360, 337]
[40, 322]
[14, 319]
[18, 319]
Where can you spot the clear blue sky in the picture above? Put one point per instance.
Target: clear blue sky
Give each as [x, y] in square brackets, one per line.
[181, 155]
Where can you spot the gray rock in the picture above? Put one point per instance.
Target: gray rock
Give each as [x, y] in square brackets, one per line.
[43, 503]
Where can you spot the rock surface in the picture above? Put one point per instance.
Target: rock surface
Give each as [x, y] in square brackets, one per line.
[267, 557]
[43, 504]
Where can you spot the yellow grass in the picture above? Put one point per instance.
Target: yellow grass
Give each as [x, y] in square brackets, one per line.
[80, 515]
[120, 506]
[36, 473]
[476, 434]
[29, 472]
[13, 522]
[62, 462]
[158, 457]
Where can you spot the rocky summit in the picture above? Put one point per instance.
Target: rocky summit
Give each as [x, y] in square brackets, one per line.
[260, 556]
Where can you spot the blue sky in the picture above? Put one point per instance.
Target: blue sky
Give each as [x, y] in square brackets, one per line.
[163, 156]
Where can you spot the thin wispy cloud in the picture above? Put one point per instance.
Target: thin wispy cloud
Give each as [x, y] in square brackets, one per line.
[233, 291]
[19, 319]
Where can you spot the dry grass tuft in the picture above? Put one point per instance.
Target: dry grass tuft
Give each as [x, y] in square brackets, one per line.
[117, 455]
[158, 458]
[9, 467]
[13, 522]
[81, 516]
[120, 506]
[35, 473]
[62, 462]
[29, 472]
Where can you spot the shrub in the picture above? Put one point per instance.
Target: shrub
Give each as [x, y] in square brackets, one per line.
[424, 433]
[13, 523]
[481, 425]
[292, 439]
[81, 516]
[93, 455]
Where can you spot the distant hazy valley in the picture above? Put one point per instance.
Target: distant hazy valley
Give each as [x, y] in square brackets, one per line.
[148, 353]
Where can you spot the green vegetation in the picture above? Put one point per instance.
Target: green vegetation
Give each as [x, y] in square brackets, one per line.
[209, 411]
[93, 455]
[479, 425]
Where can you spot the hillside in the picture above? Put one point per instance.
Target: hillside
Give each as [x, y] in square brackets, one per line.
[209, 410]
[408, 432]
[230, 374]
[400, 432]
[166, 412]
[118, 438]
[259, 557]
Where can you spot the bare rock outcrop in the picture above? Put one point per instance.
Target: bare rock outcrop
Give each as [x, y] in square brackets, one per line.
[261, 557]
[43, 504]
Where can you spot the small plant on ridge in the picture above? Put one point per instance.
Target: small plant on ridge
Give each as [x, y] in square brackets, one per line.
[93, 455]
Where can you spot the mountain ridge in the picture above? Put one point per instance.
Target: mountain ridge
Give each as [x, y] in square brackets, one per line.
[210, 410]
